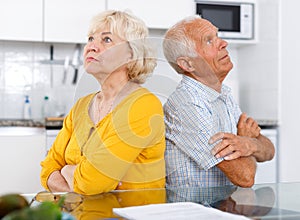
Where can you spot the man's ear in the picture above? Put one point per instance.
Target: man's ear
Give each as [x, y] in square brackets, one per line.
[185, 63]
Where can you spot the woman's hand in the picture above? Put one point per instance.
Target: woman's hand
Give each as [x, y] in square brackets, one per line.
[68, 173]
[57, 183]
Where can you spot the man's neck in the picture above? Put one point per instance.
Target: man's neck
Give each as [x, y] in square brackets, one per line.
[212, 82]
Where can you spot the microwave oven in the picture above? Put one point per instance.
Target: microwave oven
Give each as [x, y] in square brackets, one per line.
[235, 20]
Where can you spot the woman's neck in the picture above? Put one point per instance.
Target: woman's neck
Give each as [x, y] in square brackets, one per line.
[113, 92]
[113, 85]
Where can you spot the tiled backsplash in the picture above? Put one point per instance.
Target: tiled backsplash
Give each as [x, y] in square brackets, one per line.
[25, 69]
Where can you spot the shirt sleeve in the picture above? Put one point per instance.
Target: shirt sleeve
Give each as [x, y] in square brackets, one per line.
[236, 109]
[55, 159]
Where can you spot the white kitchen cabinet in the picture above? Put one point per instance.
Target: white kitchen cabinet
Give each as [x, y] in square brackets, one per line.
[22, 151]
[21, 20]
[157, 13]
[267, 171]
[68, 20]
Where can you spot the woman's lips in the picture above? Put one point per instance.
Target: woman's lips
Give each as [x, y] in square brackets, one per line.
[90, 59]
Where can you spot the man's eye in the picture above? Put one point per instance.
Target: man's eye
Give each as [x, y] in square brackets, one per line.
[208, 42]
[107, 40]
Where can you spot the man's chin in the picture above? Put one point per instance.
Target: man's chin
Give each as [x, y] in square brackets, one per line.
[229, 66]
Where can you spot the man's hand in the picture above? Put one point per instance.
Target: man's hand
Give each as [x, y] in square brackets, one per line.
[232, 146]
[247, 127]
[245, 143]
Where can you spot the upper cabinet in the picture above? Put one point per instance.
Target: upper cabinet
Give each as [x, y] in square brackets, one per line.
[68, 20]
[160, 14]
[21, 20]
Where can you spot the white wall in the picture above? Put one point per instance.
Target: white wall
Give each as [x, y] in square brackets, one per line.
[259, 66]
[269, 79]
[25, 69]
[290, 102]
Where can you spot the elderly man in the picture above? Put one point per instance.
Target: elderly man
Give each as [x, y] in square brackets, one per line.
[210, 142]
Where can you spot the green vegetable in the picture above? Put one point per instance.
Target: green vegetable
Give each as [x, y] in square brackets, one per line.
[46, 210]
[11, 202]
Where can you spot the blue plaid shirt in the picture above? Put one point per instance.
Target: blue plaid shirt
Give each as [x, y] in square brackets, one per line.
[193, 113]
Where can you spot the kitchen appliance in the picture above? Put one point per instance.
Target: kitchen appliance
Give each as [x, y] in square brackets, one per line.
[235, 20]
[51, 65]
[66, 68]
[76, 62]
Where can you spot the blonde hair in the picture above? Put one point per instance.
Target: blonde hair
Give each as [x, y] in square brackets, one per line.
[132, 29]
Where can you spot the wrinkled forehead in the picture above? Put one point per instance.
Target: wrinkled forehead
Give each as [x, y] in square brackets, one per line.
[200, 27]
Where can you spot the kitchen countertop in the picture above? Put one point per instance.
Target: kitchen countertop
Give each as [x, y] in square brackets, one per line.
[48, 123]
[262, 201]
[58, 121]
[263, 123]
[21, 123]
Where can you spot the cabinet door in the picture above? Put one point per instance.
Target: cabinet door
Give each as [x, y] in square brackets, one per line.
[21, 20]
[68, 20]
[267, 171]
[160, 14]
[20, 163]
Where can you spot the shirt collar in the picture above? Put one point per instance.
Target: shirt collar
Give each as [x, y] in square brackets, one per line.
[206, 92]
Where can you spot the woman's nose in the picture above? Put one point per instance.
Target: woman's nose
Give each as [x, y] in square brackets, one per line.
[92, 47]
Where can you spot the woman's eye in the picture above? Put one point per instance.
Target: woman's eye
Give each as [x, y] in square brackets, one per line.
[90, 39]
[107, 40]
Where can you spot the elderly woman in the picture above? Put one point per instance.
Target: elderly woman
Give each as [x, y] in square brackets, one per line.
[113, 138]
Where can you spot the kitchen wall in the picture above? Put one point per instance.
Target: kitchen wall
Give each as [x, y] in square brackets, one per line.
[289, 87]
[272, 80]
[259, 67]
[26, 69]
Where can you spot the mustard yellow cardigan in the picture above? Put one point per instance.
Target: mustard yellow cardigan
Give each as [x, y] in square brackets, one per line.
[125, 150]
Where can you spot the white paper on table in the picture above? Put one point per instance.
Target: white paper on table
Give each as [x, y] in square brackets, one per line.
[175, 211]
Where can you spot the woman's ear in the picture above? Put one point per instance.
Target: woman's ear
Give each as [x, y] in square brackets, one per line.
[185, 63]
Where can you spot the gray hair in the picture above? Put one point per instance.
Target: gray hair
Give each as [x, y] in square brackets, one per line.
[178, 42]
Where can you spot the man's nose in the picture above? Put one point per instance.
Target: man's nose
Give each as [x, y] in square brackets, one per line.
[223, 43]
